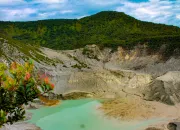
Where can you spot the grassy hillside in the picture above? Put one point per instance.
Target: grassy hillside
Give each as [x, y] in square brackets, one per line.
[9, 47]
[107, 28]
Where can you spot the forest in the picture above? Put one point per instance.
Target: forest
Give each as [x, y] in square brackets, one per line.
[105, 29]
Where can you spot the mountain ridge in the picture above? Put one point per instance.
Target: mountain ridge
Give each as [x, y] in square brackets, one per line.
[105, 29]
[86, 17]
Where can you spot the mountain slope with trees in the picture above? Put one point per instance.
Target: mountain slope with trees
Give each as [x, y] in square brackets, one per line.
[106, 29]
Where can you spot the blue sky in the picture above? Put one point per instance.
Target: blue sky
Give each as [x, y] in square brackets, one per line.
[158, 11]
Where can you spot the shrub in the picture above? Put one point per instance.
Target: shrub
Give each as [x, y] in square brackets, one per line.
[89, 53]
[19, 85]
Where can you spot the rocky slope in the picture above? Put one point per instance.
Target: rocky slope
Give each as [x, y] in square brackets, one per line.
[103, 73]
[111, 74]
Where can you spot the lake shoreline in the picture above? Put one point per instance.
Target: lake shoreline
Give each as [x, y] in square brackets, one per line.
[160, 124]
[152, 121]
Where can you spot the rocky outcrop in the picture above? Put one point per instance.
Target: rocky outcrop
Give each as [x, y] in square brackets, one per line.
[165, 88]
[172, 126]
[153, 128]
[10, 52]
[76, 95]
[20, 126]
[108, 84]
[107, 74]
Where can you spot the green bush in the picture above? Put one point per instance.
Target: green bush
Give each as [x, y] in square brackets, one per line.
[19, 85]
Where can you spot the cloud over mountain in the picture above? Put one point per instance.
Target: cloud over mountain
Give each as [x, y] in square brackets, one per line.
[159, 11]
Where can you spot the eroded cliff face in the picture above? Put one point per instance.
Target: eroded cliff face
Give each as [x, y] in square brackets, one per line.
[104, 73]
[9, 52]
[140, 59]
[165, 88]
[114, 74]
[108, 84]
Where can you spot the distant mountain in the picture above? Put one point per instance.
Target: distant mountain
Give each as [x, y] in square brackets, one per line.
[106, 29]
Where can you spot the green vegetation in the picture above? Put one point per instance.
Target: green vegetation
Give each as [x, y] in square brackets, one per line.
[19, 85]
[89, 53]
[80, 64]
[106, 29]
[29, 51]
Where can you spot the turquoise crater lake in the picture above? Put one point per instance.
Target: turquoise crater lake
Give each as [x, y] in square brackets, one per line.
[81, 115]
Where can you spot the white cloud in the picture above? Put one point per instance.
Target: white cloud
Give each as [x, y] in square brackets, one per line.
[160, 11]
[11, 2]
[16, 14]
[104, 2]
[50, 1]
[66, 11]
[46, 15]
[178, 16]
[153, 10]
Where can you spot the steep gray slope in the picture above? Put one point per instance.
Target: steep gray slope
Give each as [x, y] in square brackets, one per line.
[110, 74]
[101, 72]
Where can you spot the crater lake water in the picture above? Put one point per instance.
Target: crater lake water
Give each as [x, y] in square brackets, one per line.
[81, 115]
